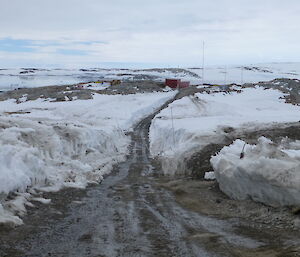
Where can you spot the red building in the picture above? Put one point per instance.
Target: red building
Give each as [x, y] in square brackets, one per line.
[184, 84]
[177, 83]
[172, 83]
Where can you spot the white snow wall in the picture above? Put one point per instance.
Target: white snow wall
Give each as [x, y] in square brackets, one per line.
[49, 155]
[268, 173]
[174, 148]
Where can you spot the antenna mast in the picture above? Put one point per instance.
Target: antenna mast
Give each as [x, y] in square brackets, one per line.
[225, 74]
[242, 75]
[203, 63]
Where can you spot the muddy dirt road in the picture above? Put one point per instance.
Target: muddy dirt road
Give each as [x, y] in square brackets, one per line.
[131, 214]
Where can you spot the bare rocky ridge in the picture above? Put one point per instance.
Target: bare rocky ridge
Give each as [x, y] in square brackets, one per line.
[291, 87]
[72, 92]
[54, 93]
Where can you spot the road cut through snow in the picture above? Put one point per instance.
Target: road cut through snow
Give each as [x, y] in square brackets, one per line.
[46, 146]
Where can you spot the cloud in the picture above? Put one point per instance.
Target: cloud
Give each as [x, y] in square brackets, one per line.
[11, 45]
[71, 52]
[156, 31]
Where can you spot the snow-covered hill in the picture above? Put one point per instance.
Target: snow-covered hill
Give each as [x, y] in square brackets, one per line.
[29, 77]
[252, 73]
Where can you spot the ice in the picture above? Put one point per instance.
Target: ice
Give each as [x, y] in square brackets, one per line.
[266, 173]
[7, 217]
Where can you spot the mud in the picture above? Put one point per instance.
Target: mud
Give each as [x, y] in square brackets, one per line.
[199, 162]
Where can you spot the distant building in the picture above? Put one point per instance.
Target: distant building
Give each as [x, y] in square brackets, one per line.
[184, 84]
[176, 83]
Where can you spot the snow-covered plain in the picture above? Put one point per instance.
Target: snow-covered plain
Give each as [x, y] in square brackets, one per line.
[251, 73]
[47, 145]
[191, 123]
[268, 173]
[14, 78]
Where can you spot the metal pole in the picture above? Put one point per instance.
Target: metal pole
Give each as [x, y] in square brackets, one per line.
[242, 75]
[203, 63]
[173, 127]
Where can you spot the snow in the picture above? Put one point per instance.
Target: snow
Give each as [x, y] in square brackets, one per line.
[103, 111]
[96, 86]
[46, 146]
[267, 173]
[251, 73]
[200, 120]
[41, 200]
[210, 175]
[14, 78]
[6, 217]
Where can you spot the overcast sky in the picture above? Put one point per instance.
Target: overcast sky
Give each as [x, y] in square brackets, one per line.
[93, 33]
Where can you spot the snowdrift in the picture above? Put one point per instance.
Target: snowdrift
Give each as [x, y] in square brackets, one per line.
[55, 155]
[46, 146]
[47, 157]
[268, 173]
[191, 123]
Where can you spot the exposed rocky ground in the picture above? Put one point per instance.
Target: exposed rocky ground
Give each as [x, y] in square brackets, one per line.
[54, 93]
[291, 87]
[74, 92]
[127, 87]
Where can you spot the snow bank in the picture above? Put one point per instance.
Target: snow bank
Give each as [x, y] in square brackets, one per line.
[191, 123]
[46, 146]
[268, 173]
[55, 155]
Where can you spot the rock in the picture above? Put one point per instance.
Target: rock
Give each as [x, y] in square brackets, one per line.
[218, 200]
[296, 210]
